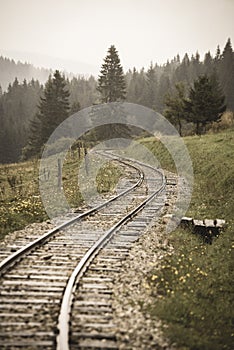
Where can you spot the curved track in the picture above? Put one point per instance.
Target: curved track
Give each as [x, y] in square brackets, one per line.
[64, 278]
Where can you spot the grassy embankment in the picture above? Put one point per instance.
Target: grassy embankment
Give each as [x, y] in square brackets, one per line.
[20, 201]
[194, 288]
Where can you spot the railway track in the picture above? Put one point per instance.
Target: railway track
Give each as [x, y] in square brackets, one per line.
[57, 292]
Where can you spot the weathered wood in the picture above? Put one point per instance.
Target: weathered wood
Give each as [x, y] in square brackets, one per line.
[186, 222]
[220, 223]
[199, 227]
[207, 228]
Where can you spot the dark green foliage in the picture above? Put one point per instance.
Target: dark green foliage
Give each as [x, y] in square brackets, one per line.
[182, 72]
[75, 108]
[82, 91]
[195, 69]
[53, 110]
[208, 64]
[151, 87]
[112, 88]
[136, 84]
[17, 107]
[205, 103]
[225, 68]
[107, 130]
[111, 82]
[137, 87]
[163, 89]
[175, 106]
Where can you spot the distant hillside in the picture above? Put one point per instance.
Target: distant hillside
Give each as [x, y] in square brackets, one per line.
[9, 70]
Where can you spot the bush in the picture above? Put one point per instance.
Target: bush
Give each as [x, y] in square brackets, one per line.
[226, 122]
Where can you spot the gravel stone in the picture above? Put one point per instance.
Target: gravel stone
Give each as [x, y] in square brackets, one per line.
[135, 328]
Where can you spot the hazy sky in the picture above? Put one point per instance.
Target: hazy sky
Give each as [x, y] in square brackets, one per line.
[74, 35]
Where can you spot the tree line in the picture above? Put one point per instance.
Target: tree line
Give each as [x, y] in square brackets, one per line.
[21, 104]
[185, 91]
[9, 69]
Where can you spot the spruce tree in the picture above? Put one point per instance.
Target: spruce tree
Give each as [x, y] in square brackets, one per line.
[140, 88]
[182, 71]
[151, 91]
[226, 73]
[208, 64]
[54, 106]
[218, 53]
[111, 82]
[132, 89]
[175, 105]
[53, 109]
[205, 103]
[164, 88]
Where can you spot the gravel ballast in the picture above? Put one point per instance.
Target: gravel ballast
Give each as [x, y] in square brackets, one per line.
[135, 327]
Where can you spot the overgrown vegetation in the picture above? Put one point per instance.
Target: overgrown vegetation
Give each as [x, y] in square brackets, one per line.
[19, 196]
[19, 190]
[193, 289]
[204, 104]
[107, 177]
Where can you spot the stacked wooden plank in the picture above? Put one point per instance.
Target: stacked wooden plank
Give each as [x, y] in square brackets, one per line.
[207, 228]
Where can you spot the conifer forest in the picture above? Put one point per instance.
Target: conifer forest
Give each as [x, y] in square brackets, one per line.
[171, 89]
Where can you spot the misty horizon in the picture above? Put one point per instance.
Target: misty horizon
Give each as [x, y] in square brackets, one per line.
[79, 68]
[74, 36]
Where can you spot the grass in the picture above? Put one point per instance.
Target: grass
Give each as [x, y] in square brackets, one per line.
[20, 201]
[107, 178]
[193, 289]
[19, 196]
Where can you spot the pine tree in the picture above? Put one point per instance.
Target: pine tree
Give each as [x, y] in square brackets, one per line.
[83, 91]
[111, 83]
[163, 90]
[53, 109]
[151, 90]
[175, 106]
[226, 74]
[208, 64]
[132, 89]
[19, 104]
[182, 71]
[141, 87]
[195, 67]
[218, 52]
[205, 103]
[75, 107]
[2, 133]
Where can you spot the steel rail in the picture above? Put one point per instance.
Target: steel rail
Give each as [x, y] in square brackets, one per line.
[13, 258]
[118, 157]
[64, 316]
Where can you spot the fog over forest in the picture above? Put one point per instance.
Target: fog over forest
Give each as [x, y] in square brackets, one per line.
[22, 86]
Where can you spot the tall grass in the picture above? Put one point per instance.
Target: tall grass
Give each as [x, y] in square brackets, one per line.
[193, 289]
[20, 200]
